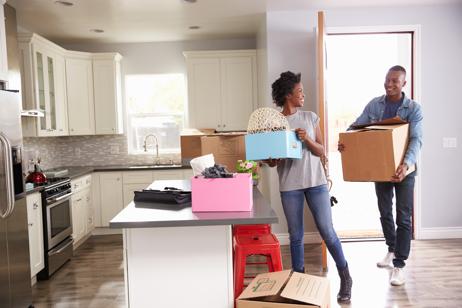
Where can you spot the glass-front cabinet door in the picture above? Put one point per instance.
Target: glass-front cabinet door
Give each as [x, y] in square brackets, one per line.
[49, 93]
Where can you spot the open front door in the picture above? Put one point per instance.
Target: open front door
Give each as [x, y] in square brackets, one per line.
[321, 68]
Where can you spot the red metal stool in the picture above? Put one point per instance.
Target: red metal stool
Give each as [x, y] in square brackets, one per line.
[251, 229]
[254, 244]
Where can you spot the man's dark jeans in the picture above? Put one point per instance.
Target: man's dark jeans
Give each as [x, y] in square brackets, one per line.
[399, 240]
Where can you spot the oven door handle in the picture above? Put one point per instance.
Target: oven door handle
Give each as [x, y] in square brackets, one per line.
[60, 249]
[62, 197]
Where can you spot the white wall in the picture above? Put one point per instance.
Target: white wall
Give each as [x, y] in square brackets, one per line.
[291, 45]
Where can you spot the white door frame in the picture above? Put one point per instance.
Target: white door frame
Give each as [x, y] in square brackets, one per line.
[417, 53]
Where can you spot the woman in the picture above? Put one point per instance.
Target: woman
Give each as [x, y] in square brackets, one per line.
[304, 178]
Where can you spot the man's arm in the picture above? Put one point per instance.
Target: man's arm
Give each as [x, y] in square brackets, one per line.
[415, 136]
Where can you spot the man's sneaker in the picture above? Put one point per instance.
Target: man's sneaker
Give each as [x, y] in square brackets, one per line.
[387, 260]
[397, 277]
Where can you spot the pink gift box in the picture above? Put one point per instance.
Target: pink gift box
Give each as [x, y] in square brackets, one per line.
[222, 194]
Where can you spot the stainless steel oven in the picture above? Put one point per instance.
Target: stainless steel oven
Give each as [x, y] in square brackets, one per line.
[57, 225]
[59, 219]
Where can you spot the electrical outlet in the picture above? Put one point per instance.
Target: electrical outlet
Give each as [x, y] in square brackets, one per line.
[114, 149]
[449, 142]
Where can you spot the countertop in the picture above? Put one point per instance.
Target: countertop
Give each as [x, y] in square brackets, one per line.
[135, 217]
[75, 172]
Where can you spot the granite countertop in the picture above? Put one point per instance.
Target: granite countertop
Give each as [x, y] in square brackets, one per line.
[136, 217]
[77, 171]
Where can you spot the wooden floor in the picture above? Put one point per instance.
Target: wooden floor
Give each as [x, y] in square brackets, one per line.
[94, 277]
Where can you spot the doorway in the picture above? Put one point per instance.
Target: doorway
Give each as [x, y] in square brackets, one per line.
[356, 67]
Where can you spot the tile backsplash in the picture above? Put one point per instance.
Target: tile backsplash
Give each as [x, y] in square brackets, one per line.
[86, 151]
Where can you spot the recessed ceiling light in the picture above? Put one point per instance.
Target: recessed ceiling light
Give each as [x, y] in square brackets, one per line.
[190, 1]
[65, 3]
[97, 30]
[194, 27]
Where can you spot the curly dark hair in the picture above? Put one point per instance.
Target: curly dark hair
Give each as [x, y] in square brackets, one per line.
[283, 86]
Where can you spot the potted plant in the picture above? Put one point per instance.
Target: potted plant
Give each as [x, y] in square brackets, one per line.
[248, 166]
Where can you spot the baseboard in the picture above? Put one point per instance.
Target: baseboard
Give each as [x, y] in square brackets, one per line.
[440, 233]
[308, 238]
[105, 231]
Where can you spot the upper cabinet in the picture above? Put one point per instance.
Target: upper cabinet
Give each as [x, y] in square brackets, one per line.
[3, 54]
[43, 84]
[107, 93]
[79, 85]
[79, 92]
[222, 88]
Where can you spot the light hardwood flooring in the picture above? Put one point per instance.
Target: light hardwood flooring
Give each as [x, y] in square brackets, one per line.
[94, 277]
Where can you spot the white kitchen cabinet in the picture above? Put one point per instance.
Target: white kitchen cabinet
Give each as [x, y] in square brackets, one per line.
[3, 54]
[107, 93]
[111, 195]
[78, 216]
[167, 175]
[222, 88]
[132, 181]
[43, 84]
[82, 208]
[79, 85]
[34, 219]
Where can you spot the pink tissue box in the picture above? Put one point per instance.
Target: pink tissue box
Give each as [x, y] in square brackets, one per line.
[222, 194]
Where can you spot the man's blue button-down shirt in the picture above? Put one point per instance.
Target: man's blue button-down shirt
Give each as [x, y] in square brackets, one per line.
[409, 111]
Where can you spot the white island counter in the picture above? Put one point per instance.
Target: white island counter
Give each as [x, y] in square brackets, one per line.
[177, 258]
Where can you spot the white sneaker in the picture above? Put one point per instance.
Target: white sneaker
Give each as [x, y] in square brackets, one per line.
[397, 277]
[387, 260]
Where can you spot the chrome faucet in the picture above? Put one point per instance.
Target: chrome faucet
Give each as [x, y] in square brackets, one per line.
[145, 146]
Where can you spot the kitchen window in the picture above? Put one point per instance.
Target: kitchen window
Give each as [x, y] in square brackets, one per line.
[155, 105]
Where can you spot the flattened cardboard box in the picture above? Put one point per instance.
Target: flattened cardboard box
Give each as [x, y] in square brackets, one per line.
[374, 152]
[285, 290]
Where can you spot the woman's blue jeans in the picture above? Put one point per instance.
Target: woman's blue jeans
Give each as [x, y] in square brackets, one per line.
[397, 239]
[319, 203]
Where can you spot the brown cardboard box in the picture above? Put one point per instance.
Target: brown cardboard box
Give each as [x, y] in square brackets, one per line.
[285, 290]
[226, 148]
[372, 153]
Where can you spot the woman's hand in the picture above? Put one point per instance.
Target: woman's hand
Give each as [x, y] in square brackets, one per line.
[272, 162]
[302, 135]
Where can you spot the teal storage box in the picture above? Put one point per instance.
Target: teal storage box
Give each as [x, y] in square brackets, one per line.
[278, 144]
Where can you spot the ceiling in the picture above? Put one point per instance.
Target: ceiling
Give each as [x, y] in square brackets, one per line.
[165, 20]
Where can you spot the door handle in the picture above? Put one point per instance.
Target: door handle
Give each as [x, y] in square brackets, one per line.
[8, 176]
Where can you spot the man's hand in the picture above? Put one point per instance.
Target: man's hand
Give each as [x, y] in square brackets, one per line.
[340, 147]
[400, 173]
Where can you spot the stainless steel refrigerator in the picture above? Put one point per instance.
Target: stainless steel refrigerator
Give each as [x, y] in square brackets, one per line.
[15, 280]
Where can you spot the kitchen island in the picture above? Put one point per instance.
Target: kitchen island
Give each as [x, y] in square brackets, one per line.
[180, 258]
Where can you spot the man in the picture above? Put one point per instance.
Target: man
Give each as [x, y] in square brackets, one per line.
[395, 103]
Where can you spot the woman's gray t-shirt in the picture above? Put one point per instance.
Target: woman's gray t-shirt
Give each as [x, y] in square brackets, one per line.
[305, 172]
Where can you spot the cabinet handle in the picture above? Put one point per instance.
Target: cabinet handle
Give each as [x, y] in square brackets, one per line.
[219, 125]
[35, 206]
[224, 125]
[80, 199]
[31, 224]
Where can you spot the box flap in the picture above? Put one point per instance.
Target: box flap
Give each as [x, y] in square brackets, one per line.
[391, 121]
[266, 284]
[306, 288]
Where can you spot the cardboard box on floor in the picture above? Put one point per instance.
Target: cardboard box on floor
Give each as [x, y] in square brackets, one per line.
[227, 148]
[373, 152]
[285, 290]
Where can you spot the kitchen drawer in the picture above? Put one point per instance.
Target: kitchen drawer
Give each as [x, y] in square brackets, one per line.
[137, 177]
[81, 183]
